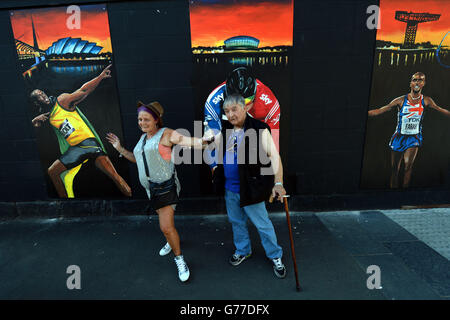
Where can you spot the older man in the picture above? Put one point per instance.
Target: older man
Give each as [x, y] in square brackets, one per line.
[261, 102]
[248, 170]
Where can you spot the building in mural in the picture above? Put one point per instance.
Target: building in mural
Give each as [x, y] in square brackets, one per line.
[241, 42]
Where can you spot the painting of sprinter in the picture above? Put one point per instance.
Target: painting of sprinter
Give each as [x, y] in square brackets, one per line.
[408, 136]
[65, 57]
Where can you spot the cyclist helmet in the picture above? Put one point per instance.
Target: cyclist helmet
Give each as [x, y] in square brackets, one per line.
[241, 81]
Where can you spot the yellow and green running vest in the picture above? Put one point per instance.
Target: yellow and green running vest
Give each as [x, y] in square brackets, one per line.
[71, 127]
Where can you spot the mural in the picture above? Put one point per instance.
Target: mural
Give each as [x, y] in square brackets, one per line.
[64, 55]
[255, 36]
[408, 137]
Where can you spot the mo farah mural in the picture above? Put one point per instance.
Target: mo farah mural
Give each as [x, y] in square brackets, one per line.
[242, 47]
[65, 55]
[411, 56]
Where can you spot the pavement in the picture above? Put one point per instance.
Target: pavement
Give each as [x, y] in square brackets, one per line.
[341, 255]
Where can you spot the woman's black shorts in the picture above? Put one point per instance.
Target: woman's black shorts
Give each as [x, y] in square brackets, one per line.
[169, 198]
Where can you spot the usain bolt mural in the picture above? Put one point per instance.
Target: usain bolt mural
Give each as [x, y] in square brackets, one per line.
[242, 46]
[65, 58]
[408, 137]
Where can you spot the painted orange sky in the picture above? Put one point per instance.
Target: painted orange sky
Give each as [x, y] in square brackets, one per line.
[271, 23]
[393, 30]
[50, 25]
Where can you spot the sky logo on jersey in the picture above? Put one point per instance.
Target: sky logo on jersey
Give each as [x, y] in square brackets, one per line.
[217, 99]
[265, 98]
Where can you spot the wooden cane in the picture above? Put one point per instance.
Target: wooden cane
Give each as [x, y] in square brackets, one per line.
[291, 238]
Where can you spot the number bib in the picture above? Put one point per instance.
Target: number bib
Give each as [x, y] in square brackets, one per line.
[66, 129]
[410, 125]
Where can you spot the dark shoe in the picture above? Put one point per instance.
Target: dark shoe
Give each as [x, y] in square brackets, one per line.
[237, 259]
[278, 268]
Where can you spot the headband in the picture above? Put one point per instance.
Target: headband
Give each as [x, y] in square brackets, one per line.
[146, 109]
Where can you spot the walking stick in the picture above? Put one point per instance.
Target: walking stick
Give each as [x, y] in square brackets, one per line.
[291, 239]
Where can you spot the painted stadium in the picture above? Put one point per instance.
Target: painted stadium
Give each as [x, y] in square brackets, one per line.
[241, 43]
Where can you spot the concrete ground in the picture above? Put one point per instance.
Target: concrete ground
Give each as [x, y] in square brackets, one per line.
[118, 258]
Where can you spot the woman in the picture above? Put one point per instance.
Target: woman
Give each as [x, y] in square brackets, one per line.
[157, 174]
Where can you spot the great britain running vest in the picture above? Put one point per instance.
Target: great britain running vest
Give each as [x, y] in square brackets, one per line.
[409, 118]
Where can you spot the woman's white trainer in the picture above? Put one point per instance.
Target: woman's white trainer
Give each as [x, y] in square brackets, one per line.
[165, 250]
[183, 270]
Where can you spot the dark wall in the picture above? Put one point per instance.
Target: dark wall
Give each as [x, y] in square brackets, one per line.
[331, 80]
[21, 177]
[333, 54]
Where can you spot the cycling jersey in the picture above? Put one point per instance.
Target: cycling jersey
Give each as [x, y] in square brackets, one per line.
[265, 108]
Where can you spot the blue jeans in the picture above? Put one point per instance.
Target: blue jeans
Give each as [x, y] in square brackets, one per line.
[259, 216]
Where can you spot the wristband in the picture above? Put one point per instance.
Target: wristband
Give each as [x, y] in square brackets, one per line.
[279, 184]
